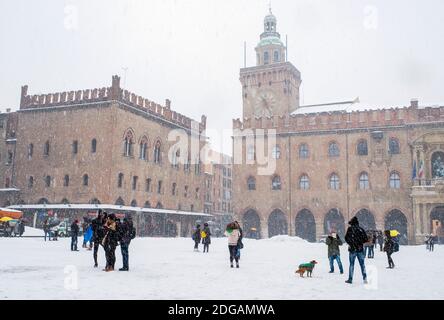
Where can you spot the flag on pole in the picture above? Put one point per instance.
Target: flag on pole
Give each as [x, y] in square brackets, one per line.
[421, 169]
[414, 170]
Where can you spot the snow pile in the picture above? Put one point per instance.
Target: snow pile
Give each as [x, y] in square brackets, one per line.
[30, 231]
[286, 238]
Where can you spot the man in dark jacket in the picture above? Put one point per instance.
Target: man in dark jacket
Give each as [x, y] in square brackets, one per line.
[196, 238]
[47, 229]
[355, 238]
[333, 242]
[389, 248]
[74, 235]
[97, 227]
[127, 232]
[206, 241]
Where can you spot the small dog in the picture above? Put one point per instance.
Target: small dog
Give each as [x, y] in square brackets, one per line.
[306, 267]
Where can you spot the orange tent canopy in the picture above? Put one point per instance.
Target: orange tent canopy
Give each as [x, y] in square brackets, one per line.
[15, 214]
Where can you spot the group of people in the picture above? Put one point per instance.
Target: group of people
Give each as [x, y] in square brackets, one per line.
[11, 230]
[107, 231]
[357, 240]
[430, 242]
[233, 232]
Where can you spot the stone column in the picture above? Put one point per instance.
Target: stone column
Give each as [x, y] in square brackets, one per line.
[426, 218]
[264, 229]
[319, 228]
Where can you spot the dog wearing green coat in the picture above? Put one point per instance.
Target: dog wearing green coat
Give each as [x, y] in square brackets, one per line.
[306, 267]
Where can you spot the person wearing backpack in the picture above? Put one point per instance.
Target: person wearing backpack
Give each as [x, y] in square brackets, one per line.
[127, 232]
[196, 237]
[389, 248]
[206, 237]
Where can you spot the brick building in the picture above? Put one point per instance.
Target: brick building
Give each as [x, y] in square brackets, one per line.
[103, 146]
[333, 161]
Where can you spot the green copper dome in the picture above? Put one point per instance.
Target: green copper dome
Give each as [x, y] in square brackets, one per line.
[270, 41]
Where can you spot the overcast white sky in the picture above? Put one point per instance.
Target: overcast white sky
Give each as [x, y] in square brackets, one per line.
[385, 52]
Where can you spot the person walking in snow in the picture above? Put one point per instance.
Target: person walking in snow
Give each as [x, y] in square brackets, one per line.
[380, 239]
[432, 242]
[196, 237]
[127, 232]
[46, 229]
[240, 244]
[233, 234]
[334, 254]
[206, 237]
[355, 238]
[389, 248]
[110, 242]
[97, 228]
[74, 235]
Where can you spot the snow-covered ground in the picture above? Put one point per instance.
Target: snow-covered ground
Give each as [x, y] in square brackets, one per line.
[169, 269]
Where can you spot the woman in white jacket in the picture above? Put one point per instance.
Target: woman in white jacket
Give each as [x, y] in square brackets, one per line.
[233, 234]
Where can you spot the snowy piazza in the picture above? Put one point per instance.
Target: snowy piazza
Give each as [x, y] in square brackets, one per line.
[221, 158]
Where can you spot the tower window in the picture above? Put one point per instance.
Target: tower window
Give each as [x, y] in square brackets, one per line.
[266, 57]
[276, 56]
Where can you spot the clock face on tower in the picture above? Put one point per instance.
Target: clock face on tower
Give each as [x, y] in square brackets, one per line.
[264, 104]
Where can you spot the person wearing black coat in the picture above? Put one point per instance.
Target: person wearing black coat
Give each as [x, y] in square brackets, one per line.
[98, 234]
[389, 248]
[127, 232]
[240, 244]
[380, 241]
[207, 240]
[74, 235]
[196, 238]
[355, 238]
[110, 241]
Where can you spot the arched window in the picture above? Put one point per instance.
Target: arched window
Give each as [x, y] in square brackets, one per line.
[75, 147]
[251, 183]
[363, 181]
[185, 194]
[120, 180]
[147, 204]
[143, 149]
[7, 182]
[276, 183]
[159, 187]
[173, 189]
[276, 152]
[159, 206]
[128, 144]
[197, 194]
[134, 203]
[157, 150]
[66, 181]
[85, 180]
[46, 149]
[31, 182]
[250, 153]
[394, 146]
[94, 201]
[93, 146]
[362, 148]
[135, 179]
[148, 185]
[395, 180]
[276, 56]
[30, 151]
[120, 202]
[266, 57]
[303, 151]
[65, 201]
[48, 181]
[333, 149]
[304, 182]
[334, 181]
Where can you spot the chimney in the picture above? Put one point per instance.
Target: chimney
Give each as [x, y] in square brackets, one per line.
[168, 104]
[414, 103]
[24, 93]
[115, 88]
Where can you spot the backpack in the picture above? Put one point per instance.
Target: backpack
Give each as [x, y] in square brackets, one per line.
[203, 234]
[396, 247]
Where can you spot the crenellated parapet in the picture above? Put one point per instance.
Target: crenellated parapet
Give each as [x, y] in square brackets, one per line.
[113, 93]
[337, 120]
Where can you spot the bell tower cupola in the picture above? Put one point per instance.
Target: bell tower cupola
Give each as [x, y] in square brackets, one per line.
[270, 49]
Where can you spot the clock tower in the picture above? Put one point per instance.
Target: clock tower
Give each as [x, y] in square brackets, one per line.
[271, 87]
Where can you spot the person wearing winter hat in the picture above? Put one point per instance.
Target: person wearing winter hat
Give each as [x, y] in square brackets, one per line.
[355, 238]
[206, 237]
[196, 237]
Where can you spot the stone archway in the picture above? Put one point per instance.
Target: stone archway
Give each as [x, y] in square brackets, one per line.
[251, 224]
[277, 224]
[396, 220]
[334, 221]
[305, 225]
[366, 219]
